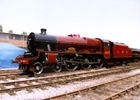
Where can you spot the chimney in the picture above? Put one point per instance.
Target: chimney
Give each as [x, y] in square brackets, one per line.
[43, 31]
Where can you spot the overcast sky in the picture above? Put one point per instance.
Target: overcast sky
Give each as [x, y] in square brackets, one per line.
[116, 20]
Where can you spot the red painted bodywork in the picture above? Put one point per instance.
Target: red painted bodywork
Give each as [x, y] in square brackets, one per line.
[121, 51]
[80, 43]
[21, 59]
[107, 53]
[52, 57]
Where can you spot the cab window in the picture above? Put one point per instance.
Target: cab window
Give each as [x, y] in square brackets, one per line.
[106, 45]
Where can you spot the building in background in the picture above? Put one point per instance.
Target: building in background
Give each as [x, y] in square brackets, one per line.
[1, 29]
[19, 40]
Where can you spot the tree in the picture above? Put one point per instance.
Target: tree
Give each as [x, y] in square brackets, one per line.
[10, 31]
[24, 33]
[1, 29]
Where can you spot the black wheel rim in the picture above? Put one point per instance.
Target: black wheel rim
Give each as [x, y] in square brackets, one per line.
[71, 67]
[38, 68]
[86, 66]
[100, 61]
[57, 68]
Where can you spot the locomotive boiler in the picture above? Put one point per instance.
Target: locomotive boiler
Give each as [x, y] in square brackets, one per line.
[70, 52]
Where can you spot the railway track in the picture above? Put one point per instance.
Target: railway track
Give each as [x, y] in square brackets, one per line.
[3, 71]
[13, 74]
[16, 72]
[16, 85]
[104, 91]
[10, 75]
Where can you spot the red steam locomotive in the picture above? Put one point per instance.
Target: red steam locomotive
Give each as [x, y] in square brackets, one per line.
[70, 52]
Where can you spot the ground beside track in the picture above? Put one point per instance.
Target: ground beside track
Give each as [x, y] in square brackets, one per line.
[39, 93]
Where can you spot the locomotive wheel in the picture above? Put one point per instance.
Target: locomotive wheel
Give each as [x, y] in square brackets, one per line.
[23, 67]
[38, 68]
[20, 67]
[71, 67]
[100, 61]
[86, 66]
[57, 68]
